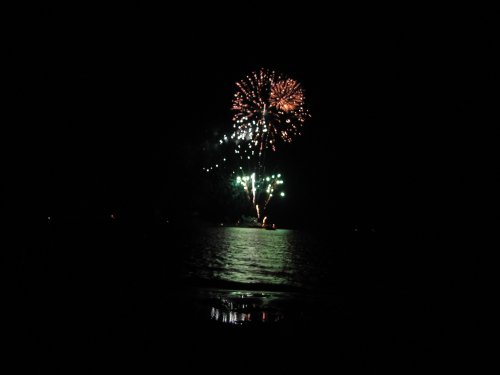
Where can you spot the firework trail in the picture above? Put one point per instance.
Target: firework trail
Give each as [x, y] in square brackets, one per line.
[260, 191]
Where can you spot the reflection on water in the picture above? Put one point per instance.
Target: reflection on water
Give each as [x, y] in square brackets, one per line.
[243, 308]
[247, 276]
[248, 256]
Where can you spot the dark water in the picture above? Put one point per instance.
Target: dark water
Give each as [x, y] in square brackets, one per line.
[249, 275]
[204, 289]
[281, 259]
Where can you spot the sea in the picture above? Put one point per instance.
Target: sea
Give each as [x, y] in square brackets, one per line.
[357, 297]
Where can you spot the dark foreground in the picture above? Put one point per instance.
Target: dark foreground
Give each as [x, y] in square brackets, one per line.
[117, 292]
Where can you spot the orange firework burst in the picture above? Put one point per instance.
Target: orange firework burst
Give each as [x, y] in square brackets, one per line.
[286, 95]
[268, 107]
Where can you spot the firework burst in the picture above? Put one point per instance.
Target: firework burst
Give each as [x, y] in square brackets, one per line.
[268, 107]
[286, 95]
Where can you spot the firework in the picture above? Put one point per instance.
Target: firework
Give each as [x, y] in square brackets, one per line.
[268, 107]
[260, 191]
[286, 95]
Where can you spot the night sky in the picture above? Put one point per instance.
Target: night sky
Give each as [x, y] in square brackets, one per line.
[113, 107]
[112, 111]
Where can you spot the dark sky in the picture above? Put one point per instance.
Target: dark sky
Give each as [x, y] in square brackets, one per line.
[112, 107]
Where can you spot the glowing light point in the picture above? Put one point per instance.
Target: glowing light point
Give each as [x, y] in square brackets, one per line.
[282, 194]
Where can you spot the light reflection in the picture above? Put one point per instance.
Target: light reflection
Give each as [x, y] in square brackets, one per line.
[248, 256]
[252, 310]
